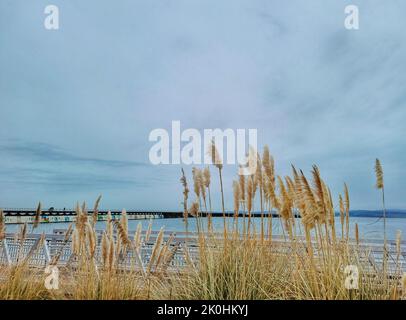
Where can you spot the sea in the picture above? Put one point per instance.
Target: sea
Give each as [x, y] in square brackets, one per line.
[371, 227]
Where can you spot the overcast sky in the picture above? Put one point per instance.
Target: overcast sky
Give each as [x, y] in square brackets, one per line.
[77, 104]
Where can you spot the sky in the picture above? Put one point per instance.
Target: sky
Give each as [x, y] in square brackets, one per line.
[77, 104]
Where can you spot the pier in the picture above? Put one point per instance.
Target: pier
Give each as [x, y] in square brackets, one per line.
[24, 215]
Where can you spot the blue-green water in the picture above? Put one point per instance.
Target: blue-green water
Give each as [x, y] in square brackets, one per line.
[369, 228]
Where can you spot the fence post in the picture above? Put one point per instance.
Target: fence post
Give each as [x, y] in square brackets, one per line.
[46, 253]
[6, 251]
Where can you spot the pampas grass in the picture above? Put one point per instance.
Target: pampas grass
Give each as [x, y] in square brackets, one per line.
[92, 239]
[2, 225]
[207, 181]
[347, 210]
[75, 244]
[37, 217]
[149, 230]
[185, 197]
[380, 186]
[137, 237]
[156, 250]
[196, 182]
[237, 196]
[194, 209]
[111, 255]
[109, 225]
[105, 248]
[122, 234]
[218, 163]
[95, 214]
[379, 174]
[260, 182]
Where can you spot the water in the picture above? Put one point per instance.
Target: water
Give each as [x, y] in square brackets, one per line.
[369, 227]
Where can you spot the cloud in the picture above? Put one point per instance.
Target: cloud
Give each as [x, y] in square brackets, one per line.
[37, 151]
[77, 105]
[64, 181]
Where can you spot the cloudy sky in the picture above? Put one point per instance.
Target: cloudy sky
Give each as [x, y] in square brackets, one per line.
[77, 104]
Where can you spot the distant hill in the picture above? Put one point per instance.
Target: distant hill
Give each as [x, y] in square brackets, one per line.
[390, 213]
[378, 213]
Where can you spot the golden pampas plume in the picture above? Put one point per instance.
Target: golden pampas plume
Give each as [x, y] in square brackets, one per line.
[194, 209]
[124, 221]
[207, 177]
[202, 184]
[2, 226]
[137, 236]
[183, 181]
[379, 174]
[37, 216]
[109, 225]
[242, 187]
[75, 245]
[215, 156]
[196, 181]
[95, 214]
[237, 196]
[250, 193]
[92, 239]
[267, 163]
[112, 254]
[105, 248]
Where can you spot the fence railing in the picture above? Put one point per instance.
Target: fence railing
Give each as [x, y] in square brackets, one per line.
[40, 253]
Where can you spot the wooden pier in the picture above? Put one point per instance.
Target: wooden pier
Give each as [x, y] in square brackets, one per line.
[21, 215]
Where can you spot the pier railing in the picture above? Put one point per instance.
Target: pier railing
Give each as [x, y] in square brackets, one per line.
[23, 215]
[40, 252]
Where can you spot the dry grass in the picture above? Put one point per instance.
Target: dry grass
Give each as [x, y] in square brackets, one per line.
[242, 263]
